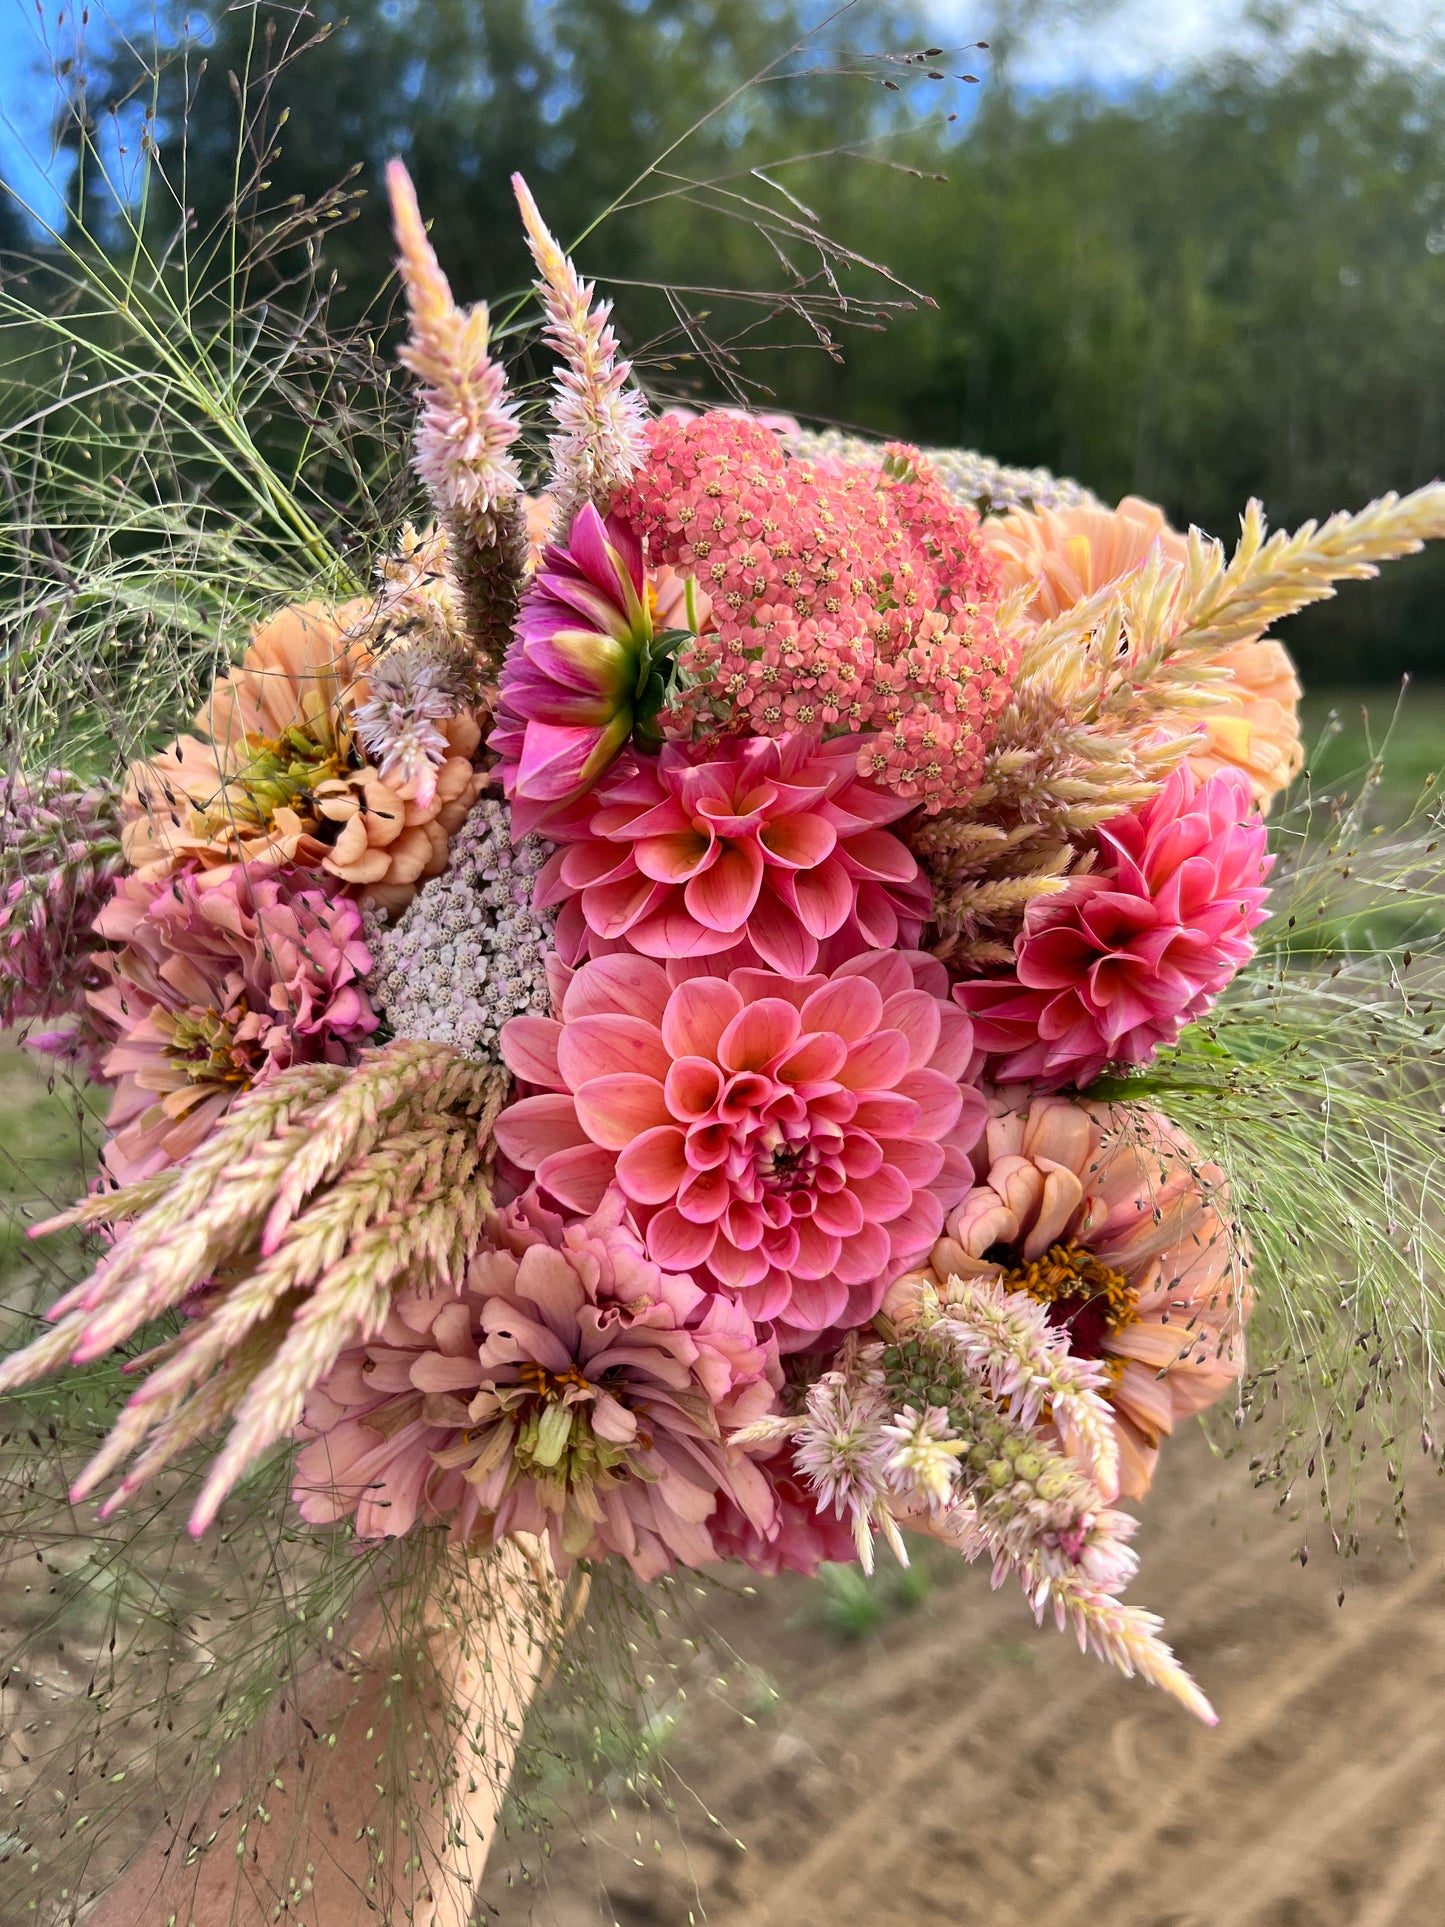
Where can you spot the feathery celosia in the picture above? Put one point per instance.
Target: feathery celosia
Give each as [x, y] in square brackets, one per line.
[409, 693]
[466, 432]
[286, 1235]
[571, 1388]
[579, 675]
[60, 851]
[864, 1446]
[1065, 555]
[775, 842]
[469, 951]
[855, 602]
[1108, 1218]
[1113, 693]
[273, 775]
[601, 421]
[1118, 962]
[209, 991]
[788, 1139]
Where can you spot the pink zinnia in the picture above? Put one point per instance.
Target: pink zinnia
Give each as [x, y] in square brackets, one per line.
[211, 990]
[579, 670]
[572, 1388]
[1122, 959]
[777, 841]
[795, 1141]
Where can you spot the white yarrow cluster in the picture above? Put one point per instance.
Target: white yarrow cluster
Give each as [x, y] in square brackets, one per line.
[469, 951]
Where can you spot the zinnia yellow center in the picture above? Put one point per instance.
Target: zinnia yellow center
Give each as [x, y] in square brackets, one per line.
[1089, 1299]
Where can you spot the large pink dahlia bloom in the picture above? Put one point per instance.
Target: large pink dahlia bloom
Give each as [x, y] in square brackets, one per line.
[211, 990]
[795, 1141]
[1122, 959]
[777, 841]
[572, 1388]
[579, 669]
[1108, 1216]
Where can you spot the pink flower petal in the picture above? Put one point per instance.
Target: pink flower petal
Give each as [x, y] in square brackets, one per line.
[758, 1034]
[535, 1128]
[597, 1046]
[623, 985]
[529, 1051]
[697, 1014]
[653, 1166]
[722, 897]
[615, 1109]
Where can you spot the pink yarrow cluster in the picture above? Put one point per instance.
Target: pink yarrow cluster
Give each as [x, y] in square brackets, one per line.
[840, 601]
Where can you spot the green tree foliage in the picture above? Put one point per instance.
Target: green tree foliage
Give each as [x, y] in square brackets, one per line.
[1229, 284]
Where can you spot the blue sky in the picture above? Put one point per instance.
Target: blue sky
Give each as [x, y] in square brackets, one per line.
[1113, 44]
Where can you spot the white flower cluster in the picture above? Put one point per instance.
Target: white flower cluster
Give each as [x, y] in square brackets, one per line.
[469, 951]
[988, 486]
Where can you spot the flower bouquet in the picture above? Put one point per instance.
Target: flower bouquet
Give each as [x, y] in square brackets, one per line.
[713, 1013]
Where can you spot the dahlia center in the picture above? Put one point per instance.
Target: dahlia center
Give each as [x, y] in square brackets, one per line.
[1089, 1300]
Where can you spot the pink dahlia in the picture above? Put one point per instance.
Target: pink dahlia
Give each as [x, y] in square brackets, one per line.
[211, 990]
[580, 673]
[802, 1535]
[795, 1141]
[572, 1388]
[776, 840]
[1122, 959]
[1108, 1217]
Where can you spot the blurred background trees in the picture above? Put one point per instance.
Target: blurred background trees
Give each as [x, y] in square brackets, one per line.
[1220, 282]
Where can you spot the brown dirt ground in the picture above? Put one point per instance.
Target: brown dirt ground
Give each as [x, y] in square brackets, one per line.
[959, 1766]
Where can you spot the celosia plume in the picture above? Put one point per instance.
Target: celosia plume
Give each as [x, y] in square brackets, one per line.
[60, 850]
[467, 428]
[600, 419]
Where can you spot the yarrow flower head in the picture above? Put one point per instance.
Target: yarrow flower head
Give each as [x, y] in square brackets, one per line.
[857, 601]
[210, 990]
[1111, 1222]
[775, 843]
[469, 951]
[794, 1141]
[60, 852]
[580, 674]
[572, 1388]
[1117, 963]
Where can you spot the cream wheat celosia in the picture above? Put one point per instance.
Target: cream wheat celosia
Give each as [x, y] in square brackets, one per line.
[600, 419]
[466, 431]
[311, 1203]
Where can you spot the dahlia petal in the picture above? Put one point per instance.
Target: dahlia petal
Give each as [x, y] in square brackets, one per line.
[797, 841]
[818, 1250]
[758, 1034]
[612, 908]
[779, 938]
[867, 1254]
[618, 985]
[814, 1059]
[880, 856]
[678, 1242]
[884, 1194]
[919, 1019]
[653, 1166]
[722, 896]
[674, 858]
[938, 1098]
[614, 1109]
[529, 1051]
[849, 1006]
[820, 898]
[593, 1047]
[694, 1088]
[704, 1196]
[578, 1178]
[878, 1063]
[535, 1128]
[555, 760]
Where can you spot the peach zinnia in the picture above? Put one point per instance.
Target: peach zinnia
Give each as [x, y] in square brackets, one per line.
[1109, 1217]
[1069, 553]
[272, 774]
[795, 1141]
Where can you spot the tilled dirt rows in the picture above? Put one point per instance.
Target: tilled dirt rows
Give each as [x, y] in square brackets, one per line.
[960, 1767]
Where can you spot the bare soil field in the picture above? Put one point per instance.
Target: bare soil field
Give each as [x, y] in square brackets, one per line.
[958, 1766]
